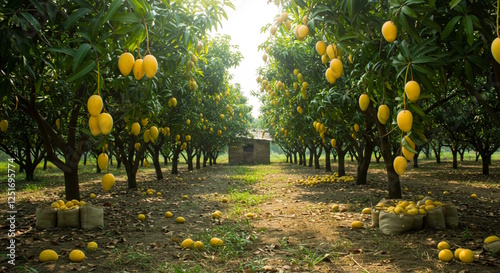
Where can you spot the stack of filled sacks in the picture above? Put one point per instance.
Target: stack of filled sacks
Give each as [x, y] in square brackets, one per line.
[74, 213]
[492, 245]
[399, 216]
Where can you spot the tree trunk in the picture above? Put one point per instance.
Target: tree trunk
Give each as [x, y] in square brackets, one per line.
[415, 160]
[454, 152]
[198, 160]
[437, 152]
[341, 166]
[85, 159]
[30, 174]
[156, 163]
[190, 157]
[362, 172]
[98, 170]
[295, 157]
[317, 155]
[341, 155]
[393, 183]
[175, 161]
[45, 163]
[131, 178]
[311, 157]
[486, 165]
[71, 185]
[461, 153]
[328, 166]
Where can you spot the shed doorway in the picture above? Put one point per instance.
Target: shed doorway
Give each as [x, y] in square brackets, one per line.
[248, 153]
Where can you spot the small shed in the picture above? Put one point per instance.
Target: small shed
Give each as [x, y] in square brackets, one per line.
[255, 149]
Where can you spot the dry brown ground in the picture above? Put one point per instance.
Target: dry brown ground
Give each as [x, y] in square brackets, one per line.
[294, 231]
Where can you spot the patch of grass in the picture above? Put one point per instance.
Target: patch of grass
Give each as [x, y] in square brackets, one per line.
[305, 255]
[250, 175]
[255, 264]
[237, 195]
[179, 268]
[131, 257]
[238, 209]
[236, 236]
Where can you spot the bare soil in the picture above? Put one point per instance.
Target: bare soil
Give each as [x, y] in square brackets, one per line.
[294, 230]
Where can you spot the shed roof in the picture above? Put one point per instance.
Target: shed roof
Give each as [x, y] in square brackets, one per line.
[258, 134]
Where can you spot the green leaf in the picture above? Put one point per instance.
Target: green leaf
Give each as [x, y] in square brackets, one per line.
[65, 50]
[127, 18]
[423, 60]
[453, 3]
[138, 8]
[95, 25]
[75, 16]
[421, 134]
[407, 145]
[112, 9]
[469, 29]
[410, 28]
[350, 6]
[416, 109]
[186, 35]
[130, 28]
[82, 70]
[468, 71]
[80, 55]
[449, 27]
[408, 11]
[32, 20]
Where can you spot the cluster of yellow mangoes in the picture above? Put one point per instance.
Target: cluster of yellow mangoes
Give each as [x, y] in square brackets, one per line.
[75, 256]
[98, 122]
[463, 254]
[152, 192]
[315, 180]
[189, 243]
[409, 207]
[147, 66]
[68, 205]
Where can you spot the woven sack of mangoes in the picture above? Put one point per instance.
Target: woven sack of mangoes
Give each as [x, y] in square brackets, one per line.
[399, 216]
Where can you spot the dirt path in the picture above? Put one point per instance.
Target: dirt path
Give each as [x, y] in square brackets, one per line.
[295, 229]
[303, 233]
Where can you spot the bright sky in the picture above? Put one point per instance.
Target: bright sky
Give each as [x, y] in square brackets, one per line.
[243, 25]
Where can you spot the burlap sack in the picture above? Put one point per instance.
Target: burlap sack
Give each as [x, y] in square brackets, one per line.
[418, 222]
[435, 219]
[68, 218]
[386, 202]
[493, 248]
[381, 205]
[46, 217]
[375, 217]
[390, 223]
[91, 217]
[422, 202]
[450, 215]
